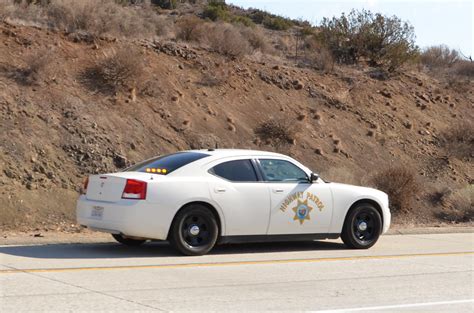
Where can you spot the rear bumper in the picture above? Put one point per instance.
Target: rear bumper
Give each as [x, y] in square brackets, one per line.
[128, 217]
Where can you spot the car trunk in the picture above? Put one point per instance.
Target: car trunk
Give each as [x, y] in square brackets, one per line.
[105, 188]
[110, 187]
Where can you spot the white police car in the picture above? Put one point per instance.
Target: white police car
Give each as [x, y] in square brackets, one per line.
[198, 198]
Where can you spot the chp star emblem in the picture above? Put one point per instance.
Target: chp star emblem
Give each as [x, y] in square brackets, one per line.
[302, 211]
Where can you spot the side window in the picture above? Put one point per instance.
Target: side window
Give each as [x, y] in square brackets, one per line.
[238, 171]
[281, 170]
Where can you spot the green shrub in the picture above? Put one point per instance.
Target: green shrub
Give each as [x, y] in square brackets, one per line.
[277, 23]
[165, 4]
[270, 21]
[383, 41]
[244, 20]
[258, 16]
[216, 10]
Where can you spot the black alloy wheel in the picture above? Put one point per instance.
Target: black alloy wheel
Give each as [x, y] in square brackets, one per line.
[362, 227]
[194, 230]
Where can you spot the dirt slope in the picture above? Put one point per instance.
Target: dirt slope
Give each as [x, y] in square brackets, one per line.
[55, 131]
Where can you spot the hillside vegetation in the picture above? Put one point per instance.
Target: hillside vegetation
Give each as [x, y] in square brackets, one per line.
[94, 86]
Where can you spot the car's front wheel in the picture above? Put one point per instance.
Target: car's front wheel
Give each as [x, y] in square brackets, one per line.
[362, 227]
[194, 230]
[128, 241]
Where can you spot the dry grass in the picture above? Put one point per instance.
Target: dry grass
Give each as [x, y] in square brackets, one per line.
[458, 140]
[224, 38]
[277, 132]
[96, 17]
[37, 67]
[459, 206]
[119, 70]
[341, 175]
[401, 186]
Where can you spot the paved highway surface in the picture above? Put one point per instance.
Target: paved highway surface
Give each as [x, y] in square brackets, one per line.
[401, 273]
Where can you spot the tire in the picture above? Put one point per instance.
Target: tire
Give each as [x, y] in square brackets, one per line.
[194, 230]
[128, 241]
[357, 235]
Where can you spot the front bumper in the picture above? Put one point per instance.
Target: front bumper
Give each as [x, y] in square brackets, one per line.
[135, 218]
[387, 219]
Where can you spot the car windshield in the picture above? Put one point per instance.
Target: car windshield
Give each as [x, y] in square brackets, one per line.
[166, 164]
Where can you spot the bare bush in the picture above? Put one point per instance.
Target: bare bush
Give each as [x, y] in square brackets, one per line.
[439, 57]
[216, 77]
[401, 186]
[458, 140]
[119, 70]
[439, 195]
[226, 39]
[256, 39]
[323, 60]
[277, 132]
[190, 28]
[464, 68]
[316, 56]
[460, 206]
[37, 66]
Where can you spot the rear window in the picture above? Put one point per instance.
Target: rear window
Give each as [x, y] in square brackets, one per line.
[167, 163]
[237, 171]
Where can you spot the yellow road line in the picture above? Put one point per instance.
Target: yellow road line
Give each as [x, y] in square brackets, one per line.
[231, 263]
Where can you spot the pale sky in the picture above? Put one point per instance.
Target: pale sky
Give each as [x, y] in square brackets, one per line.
[435, 21]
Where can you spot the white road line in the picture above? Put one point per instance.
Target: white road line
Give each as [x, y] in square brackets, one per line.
[396, 306]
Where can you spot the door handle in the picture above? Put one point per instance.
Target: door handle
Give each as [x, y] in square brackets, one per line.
[219, 190]
[278, 190]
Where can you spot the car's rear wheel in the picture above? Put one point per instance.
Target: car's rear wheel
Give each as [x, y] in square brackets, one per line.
[362, 227]
[128, 241]
[194, 230]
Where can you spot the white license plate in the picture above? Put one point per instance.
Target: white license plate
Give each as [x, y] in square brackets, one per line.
[97, 212]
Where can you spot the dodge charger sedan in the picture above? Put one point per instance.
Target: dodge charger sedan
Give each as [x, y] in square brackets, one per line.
[197, 199]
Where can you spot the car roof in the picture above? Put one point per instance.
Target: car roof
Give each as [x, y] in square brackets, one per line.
[218, 153]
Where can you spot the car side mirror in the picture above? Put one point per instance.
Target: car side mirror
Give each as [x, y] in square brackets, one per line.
[314, 177]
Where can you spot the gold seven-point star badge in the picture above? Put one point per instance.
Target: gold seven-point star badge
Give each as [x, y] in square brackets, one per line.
[302, 211]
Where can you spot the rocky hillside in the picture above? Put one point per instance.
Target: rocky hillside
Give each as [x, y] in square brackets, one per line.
[60, 119]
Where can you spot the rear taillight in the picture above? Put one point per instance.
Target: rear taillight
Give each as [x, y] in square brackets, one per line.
[134, 189]
[84, 187]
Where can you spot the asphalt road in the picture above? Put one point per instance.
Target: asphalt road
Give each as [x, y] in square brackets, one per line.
[401, 273]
